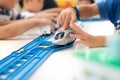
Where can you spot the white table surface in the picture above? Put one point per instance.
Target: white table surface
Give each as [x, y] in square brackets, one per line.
[61, 65]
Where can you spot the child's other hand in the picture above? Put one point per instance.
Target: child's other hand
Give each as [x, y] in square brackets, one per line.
[85, 38]
[52, 16]
[65, 17]
[43, 22]
[53, 10]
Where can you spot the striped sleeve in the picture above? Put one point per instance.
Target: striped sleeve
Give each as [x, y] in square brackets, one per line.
[16, 15]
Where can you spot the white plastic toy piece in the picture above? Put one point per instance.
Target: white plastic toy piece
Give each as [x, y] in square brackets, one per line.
[62, 37]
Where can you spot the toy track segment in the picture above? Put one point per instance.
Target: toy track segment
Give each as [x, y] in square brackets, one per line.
[22, 63]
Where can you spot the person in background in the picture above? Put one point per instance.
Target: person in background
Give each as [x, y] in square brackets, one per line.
[13, 24]
[81, 2]
[86, 2]
[108, 9]
[49, 4]
[31, 8]
[34, 7]
[31, 5]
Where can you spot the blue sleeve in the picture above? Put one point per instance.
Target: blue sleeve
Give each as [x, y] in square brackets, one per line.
[109, 9]
[19, 16]
[16, 15]
[105, 8]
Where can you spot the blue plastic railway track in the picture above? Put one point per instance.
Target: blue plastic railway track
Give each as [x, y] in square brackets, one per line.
[20, 64]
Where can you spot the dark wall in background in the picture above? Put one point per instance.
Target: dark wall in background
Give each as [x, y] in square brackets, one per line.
[49, 4]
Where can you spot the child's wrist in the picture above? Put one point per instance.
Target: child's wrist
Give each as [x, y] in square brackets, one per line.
[77, 12]
[34, 22]
[101, 41]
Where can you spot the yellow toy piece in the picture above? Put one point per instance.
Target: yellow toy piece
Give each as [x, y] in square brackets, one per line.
[21, 50]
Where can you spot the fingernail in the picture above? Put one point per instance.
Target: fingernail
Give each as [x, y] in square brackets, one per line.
[70, 35]
[71, 21]
[57, 24]
[71, 24]
[62, 29]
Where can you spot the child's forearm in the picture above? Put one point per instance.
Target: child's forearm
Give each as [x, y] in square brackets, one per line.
[4, 22]
[53, 10]
[100, 41]
[16, 28]
[87, 11]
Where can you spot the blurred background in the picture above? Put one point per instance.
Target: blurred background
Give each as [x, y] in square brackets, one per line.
[68, 3]
[65, 3]
[58, 3]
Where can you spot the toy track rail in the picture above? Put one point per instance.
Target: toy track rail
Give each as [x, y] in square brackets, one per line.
[20, 64]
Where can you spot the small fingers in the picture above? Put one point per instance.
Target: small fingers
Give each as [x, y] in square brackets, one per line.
[66, 22]
[73, 17]
[76, 36]
[49, 22]
[76, 28]
[59, 20]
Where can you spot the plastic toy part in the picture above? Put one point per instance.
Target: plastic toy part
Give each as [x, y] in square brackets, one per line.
[95, 65]
[62, 37]
[113, 42]
[20, 64]
[23, 62]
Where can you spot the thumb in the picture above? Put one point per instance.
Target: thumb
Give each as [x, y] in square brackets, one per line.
[73, 18]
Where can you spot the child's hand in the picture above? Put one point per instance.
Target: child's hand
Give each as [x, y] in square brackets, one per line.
[52, 16]
[85, 38]
[53, 10]
[44, 21]
[65, 17]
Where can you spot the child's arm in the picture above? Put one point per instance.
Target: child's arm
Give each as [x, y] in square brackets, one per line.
[4, 22]
[87, 11]
[18, 27]
[53, 10]
[69, 14]
[87, 39]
